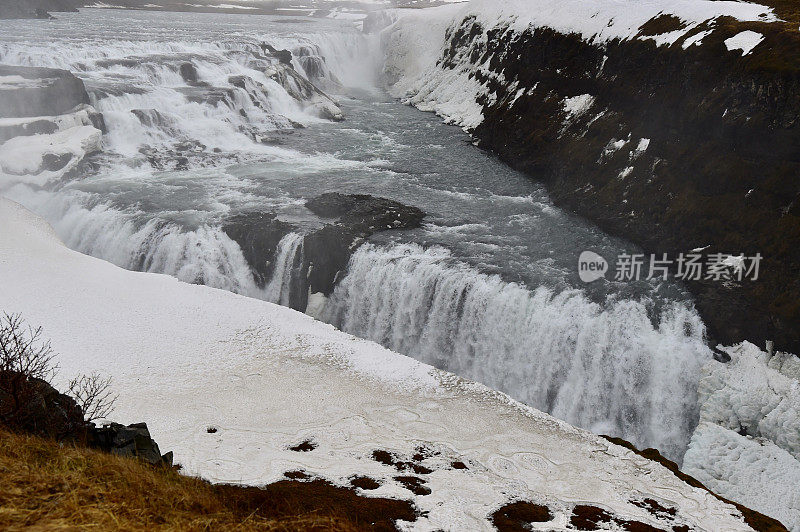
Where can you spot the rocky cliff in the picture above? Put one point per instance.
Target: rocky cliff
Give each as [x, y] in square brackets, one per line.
[676, 131]
[13, 9]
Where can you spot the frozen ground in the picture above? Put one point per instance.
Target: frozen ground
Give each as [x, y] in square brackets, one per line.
[188, 357]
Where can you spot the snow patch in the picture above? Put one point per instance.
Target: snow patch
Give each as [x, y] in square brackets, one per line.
[696, 40]
[744, 41]
[24, 157]
[577, 106]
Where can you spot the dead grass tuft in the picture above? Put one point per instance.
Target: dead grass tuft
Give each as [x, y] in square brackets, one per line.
[52, 486]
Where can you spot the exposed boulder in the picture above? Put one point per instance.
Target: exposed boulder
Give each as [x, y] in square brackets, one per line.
[328, 250]
[132, 440]
[188, 73]
[316, 68]
[365, 213]
[33, 406]
[34, 91]
[26, 128]
[305, 92]
[284, 56]
[258, 234]
[83, 115]
[36, 156]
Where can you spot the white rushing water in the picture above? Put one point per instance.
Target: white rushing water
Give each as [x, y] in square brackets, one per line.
[288, 263]
[608, 369]
[486, 289]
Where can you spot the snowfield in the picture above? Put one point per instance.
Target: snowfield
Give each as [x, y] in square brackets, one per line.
[186, 357]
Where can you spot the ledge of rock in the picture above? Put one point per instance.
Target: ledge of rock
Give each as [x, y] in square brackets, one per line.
[328, 250]
[132, 440]
[258, 235]
[35, 91]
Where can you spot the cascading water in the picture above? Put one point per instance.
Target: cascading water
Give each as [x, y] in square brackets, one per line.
[183, 158]
[288, 267]
[606, 368]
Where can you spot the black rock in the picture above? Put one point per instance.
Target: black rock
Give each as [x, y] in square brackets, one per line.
[284, 56]
[258, 235]
[132, 440]
[35, 407]
[189, 73]
[37, 127]
[328, 250]
[327, 253]
[55, 161]
[50, 92]
[364, 213]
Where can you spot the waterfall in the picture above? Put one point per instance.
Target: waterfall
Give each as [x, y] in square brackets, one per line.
[284, 283]
[168, 180]
[606, 368]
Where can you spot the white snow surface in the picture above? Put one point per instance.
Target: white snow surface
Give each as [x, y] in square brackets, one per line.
[185, 357]
[21, 157]
[577, 106]
[747, 445]
[413, 45]
[24, 156]
[604, 20]
[744, 41]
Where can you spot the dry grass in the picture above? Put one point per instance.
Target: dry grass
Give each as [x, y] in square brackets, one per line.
[47, 486]
[788, 10]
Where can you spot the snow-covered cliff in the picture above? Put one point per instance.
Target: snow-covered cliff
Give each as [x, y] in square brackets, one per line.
[747, 445]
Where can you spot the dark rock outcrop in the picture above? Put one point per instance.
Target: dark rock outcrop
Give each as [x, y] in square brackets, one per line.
[258, 234]
[718, 168]
[328, 250]
[188, 72]
[364, 213]
[14, 9]
[132, 440]
[284, 56]
[33, 406]
[44, 92]
[36, 127]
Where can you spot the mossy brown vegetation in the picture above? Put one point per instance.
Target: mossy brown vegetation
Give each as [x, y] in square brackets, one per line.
[48, 486]
[518, 515]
